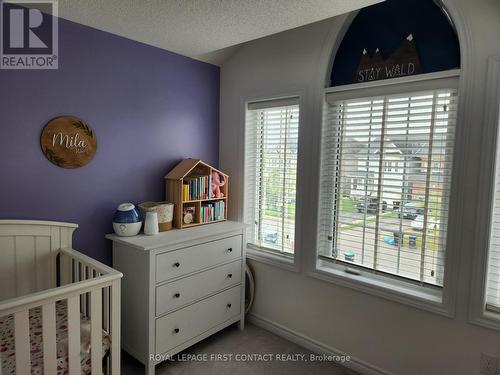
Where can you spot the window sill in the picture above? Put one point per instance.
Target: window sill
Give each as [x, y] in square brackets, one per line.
[272, 258]
[486, 319]
[423, 298]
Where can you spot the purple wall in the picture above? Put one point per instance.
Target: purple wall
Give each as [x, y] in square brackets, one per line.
[149, 108]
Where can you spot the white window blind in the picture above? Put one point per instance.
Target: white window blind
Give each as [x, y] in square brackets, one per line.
[270, 173]
[492, 293]
[386, 171]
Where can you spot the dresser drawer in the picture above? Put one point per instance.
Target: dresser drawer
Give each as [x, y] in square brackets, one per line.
[191, 321]
[195, 258]
[181, 292]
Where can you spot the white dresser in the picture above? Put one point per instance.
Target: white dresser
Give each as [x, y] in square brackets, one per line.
[179, 287]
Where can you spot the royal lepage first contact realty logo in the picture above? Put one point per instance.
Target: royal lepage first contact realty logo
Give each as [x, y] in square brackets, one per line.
[29, 34]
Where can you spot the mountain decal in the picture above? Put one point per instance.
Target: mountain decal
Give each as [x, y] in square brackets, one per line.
[403, 62]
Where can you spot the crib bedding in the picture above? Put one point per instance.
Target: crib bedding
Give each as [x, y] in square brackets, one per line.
[7, 347]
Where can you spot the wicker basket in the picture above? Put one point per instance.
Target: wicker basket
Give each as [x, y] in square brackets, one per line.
[164, 210]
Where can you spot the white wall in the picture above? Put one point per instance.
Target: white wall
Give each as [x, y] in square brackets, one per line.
[387, 335]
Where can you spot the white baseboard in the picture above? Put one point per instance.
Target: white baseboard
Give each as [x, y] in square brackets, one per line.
[315, 346]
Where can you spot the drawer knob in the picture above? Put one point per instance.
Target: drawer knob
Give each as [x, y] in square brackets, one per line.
[230, 250]
[229, 275]
[176, 330]
[177, 264]
[228, 305]
[177, 295]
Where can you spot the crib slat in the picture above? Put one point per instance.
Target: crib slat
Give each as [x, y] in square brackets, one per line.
[96, 331]
[83, 297]
[74, 335]
[65, 269]
[22, 342]
[49, 338]
[115, 327]
[87, 295]
[105, 309]
[106, 322]
[76, 271]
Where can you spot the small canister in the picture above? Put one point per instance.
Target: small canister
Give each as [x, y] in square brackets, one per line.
[151, 223]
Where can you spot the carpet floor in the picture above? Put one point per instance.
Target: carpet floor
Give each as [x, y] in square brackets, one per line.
[248, 352]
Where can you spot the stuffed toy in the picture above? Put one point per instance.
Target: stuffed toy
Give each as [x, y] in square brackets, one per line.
[217, 182]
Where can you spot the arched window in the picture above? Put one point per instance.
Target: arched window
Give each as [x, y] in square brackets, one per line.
[392, 35]
[387, 148]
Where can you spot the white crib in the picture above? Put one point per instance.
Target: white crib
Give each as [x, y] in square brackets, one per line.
[41, 274]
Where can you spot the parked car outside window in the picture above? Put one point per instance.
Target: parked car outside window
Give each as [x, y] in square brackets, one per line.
[410, 210]
[370, 205]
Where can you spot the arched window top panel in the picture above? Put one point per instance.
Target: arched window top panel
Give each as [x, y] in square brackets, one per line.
[401, 37]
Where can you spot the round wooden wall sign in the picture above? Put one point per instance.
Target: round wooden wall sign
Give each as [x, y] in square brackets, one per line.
[68, 142]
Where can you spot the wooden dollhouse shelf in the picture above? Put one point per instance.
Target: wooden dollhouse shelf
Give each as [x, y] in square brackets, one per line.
[186, 171]
[198, 224]
[204, 200]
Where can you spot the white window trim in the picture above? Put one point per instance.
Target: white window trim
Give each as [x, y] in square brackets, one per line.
[430, 299]
[272, 257]
[290, 262]
[437, 300]
[477, 313]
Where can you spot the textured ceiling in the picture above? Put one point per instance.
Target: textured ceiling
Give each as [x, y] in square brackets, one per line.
[202, 29]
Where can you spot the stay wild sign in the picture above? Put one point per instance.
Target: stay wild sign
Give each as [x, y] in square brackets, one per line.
[403, 62]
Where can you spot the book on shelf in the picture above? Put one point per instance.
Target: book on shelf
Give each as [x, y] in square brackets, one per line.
[212, 211]
[197, 188]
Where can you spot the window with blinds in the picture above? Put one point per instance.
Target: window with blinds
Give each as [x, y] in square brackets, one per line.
[386, 172]
[271, 173]
[492, 292]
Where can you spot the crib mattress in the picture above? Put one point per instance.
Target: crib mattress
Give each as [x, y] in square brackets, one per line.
[7, 347]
